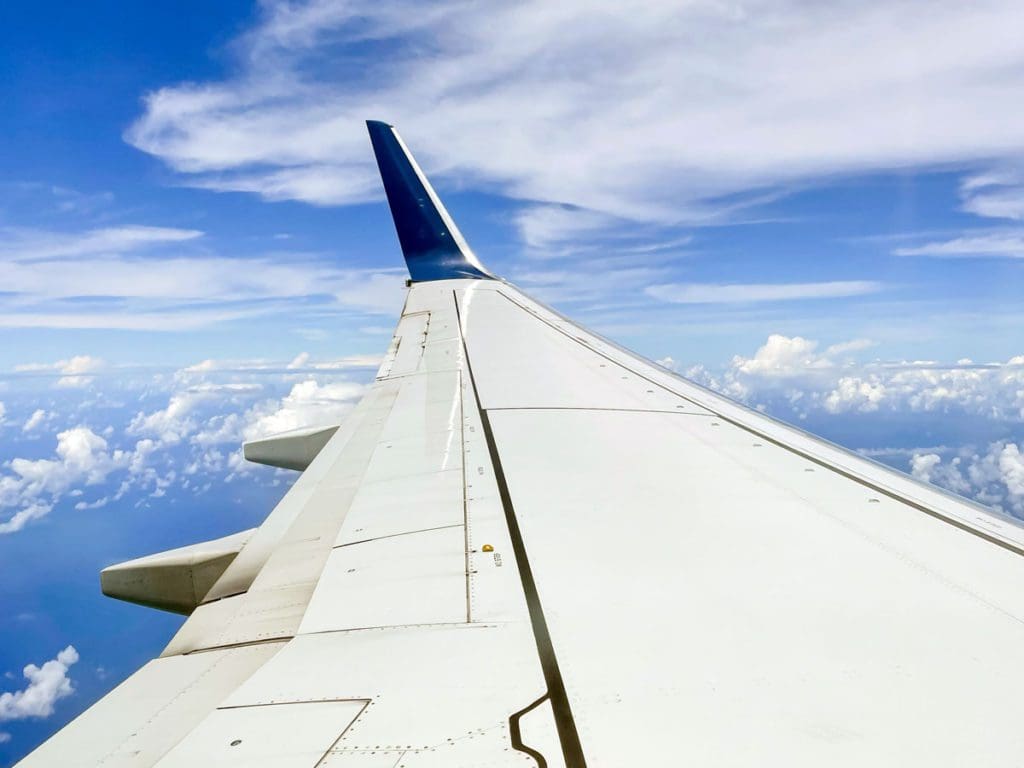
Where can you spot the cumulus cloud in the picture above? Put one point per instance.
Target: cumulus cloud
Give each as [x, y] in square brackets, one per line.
[699, 100]
[834, 380]
[308, 403]
[204, 412]
[173, 422]
[179, 433]
[73, 372]
[31, 486]
[994, 477]
[177, 420]
[782, 356]
[47, 684]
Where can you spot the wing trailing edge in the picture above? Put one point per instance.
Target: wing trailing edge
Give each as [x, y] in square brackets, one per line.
[433, 247]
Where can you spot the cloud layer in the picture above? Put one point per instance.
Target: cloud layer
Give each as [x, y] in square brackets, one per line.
[32, 486]
[648, 111]
[994, 476]
[159, 278]
[189, 435]
[794, 371]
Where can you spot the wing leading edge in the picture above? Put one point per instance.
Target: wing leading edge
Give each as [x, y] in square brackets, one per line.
[527, 543]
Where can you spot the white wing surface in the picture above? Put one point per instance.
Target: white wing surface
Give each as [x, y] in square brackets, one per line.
[528, 546]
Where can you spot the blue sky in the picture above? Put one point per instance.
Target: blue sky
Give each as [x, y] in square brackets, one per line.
[814, 209]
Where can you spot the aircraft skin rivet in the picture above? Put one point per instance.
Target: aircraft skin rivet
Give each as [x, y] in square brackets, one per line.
[487, 548]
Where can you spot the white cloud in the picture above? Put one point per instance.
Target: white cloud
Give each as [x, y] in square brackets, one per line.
[1008, 245]
[782, 356]
[25, 515]
[160, 280]
[32, 486]
[302, 361]
[309, 403]
[3, 412]
[639, 111]
[546, 229]
[995, 477]
[73, 371]
[46, 685]
[380, 293]
[793, 369]
[22, 244]
[35, 420]
[177, 420]
[172, 423]
[846, 347]
[177, 438]
[708, 293]
[855, 394]
[606, 279]
[995, 194]
[203, 412]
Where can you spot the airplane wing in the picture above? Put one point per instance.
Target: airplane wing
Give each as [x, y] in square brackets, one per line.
[529, 546]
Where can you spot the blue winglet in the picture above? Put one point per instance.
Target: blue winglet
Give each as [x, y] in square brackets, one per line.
[433, 247]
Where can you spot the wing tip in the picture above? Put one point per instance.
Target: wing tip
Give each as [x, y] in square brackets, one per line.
[433, 247]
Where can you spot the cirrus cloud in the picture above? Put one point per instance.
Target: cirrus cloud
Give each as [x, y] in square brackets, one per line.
[700, 100]
[707, 293]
